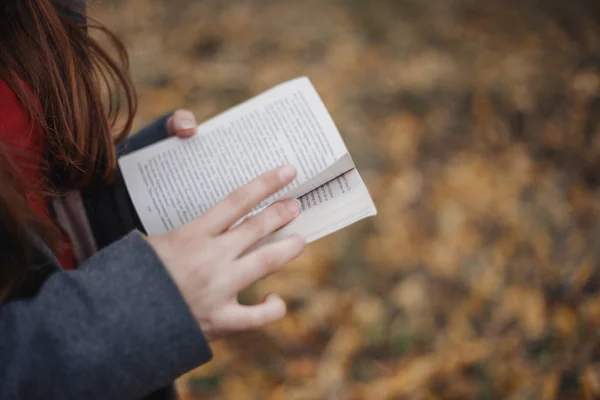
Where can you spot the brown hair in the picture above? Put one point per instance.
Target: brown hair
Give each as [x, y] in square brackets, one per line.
[75, 91]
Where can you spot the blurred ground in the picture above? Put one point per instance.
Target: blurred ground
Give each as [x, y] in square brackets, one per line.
[475, 125]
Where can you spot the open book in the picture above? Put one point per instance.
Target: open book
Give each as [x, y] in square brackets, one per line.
[176, 180]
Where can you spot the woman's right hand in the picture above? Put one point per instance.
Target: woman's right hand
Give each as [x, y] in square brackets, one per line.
[210, 264]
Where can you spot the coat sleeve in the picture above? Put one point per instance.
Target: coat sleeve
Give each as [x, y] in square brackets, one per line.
[117, 328]
[109, 209]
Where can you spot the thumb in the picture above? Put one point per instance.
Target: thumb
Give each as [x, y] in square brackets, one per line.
[182, 123]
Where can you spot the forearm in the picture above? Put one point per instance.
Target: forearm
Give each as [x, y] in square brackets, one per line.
[108, 207]
[116, 328]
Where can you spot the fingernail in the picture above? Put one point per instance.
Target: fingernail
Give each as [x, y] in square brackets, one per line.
[186, 124]
[287, 172]
[293, 205]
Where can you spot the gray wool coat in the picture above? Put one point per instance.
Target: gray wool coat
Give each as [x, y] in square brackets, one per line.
[115, 328]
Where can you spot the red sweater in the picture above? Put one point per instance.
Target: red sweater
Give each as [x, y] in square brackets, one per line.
[26, 144]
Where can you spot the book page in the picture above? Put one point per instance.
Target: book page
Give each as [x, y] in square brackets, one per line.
[176, 180]
[330, 207]
[342, 165]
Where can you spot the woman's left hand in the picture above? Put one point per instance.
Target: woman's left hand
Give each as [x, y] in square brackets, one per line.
[182, 123]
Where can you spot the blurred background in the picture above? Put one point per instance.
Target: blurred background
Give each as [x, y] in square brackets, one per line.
[475, 125]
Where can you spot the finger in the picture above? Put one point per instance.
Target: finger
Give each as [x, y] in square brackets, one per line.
[182, 123]
[239, 203]
[257, 227]
[263, 262]
[240, 318]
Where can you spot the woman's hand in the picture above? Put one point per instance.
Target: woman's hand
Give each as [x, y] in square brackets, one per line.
[182, 123]
[209, 263]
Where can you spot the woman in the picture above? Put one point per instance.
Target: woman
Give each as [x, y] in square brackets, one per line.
[89, 307]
